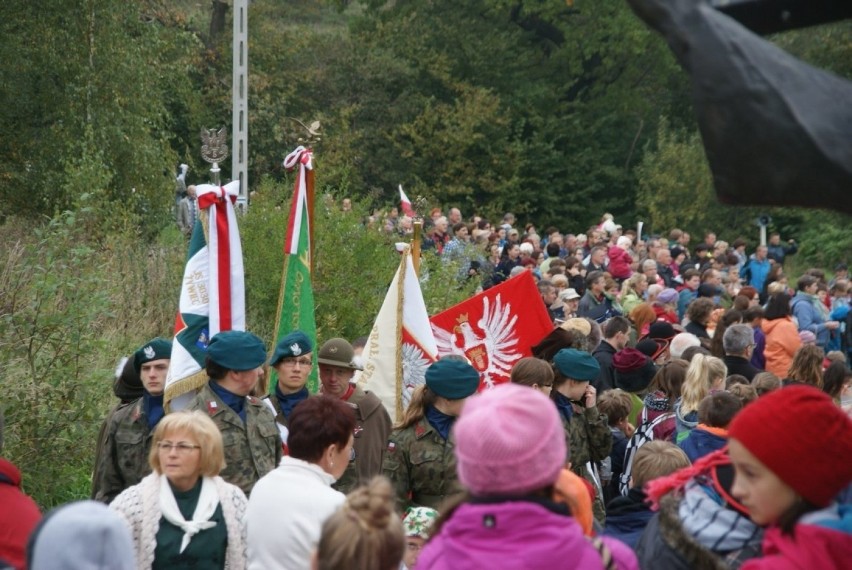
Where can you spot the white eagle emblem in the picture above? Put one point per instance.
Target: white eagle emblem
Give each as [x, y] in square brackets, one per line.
[295, 349]
[149, 352]
[414, 365]
[492, 350]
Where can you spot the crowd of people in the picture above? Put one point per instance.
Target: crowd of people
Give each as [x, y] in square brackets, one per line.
[688, 410]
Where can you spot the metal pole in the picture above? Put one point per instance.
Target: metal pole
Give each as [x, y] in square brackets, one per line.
[239, 158]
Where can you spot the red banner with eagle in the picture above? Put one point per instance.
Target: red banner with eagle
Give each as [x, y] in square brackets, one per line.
[495, 328]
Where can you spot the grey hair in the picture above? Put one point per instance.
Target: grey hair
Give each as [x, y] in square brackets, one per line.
[737, 339]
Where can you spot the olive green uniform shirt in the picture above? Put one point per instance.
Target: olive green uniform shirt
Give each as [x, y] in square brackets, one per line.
[253, 448]
[421, 465]
[589, 439]
[124, 458]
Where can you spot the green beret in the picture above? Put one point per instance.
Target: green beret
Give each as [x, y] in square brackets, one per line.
[577, 364]
[296, 343]
[154, 349]
[236, 350]
[452, 379]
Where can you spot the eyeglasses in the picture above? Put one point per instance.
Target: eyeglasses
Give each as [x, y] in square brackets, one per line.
[295, 361]
[181, 447]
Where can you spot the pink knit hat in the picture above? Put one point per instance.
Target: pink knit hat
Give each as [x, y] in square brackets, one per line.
[803, 437]
[509, 441]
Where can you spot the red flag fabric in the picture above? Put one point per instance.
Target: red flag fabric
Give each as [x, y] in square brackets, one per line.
[495, 328]
[405, 203]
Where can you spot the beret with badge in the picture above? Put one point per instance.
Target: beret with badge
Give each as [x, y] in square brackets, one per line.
[296, 343]
[154, 349]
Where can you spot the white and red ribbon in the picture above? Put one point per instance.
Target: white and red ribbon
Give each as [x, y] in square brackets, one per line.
[302, 158]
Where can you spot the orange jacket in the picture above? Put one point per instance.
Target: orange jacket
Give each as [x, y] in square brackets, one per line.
[782, 342]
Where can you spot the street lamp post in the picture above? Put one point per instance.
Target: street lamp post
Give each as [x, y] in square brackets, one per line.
[239, 164]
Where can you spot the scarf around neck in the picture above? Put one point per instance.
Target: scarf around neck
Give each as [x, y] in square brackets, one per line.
[563, 404]
[288, 401]
[208, 500]
[236, 403]
[440, 421]
[153, 406]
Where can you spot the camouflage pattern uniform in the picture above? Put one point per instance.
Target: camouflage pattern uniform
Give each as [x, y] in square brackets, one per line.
[421, 465]
[589, 439]
[253, 448]
[124, 460]
[372, 427]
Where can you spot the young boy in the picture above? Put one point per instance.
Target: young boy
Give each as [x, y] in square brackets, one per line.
[626, 517]
[616, 405]
[715, 413]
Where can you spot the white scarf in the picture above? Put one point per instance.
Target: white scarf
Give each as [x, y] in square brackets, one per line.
[208, 500]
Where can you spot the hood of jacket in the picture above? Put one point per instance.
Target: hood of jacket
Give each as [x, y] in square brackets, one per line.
[769, 326]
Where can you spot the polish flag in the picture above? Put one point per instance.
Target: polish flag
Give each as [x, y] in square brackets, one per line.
[405, 203]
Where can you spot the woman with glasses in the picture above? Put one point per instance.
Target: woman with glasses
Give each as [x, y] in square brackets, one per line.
[289, 505]
[183, 514]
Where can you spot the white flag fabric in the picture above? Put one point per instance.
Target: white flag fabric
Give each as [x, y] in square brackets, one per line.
[401, 345]
[212, 296]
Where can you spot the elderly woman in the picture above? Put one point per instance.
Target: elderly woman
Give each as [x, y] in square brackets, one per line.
[183, 514]
[289, 505]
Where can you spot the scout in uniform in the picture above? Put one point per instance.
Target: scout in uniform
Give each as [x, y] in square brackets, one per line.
[123, 461]
[251, 438]
[373, 424]
[419, 458]
[586, 428]
[292, 361]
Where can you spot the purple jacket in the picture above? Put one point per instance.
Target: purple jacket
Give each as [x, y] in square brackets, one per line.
[516, 535]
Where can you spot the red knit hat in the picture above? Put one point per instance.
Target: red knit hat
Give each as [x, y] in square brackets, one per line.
[801, 435]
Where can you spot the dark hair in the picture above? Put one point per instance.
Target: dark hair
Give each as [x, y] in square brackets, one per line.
[741, 303]
[592, 277]
[789, 518]
[458, 226]
[690, 273]
[669, 379]
[753, 313]
[805, 281]
[529, 371]
[615, 325]
[214, 371]
[834, 377]
[736, 379]
[699, 310]
[552, 249]
[718, 409]
[730, 317]
[777, 307]
[690, 352]
[317, 423]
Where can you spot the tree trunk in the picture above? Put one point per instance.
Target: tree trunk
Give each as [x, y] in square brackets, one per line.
[217, 22]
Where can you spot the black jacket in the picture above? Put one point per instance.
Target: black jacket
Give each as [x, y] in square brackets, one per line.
[606, 379]
[740, 365]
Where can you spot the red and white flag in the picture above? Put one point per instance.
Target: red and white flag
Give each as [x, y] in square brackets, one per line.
[401, 346]
[495, 328]
[212, 297]
[407, 209]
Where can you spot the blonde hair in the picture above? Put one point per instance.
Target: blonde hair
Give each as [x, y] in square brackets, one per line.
[199, 425]
[629, 285]
[656, 459]
[702, 372]
[365, 532]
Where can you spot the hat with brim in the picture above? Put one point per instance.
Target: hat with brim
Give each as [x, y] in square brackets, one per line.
[337, 352]
[634, 370]
[236, 350]
[652, 348]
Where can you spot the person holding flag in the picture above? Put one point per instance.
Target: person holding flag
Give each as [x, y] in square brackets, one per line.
[292, 361]
[419, 459]
[124, 461]
[251, 438]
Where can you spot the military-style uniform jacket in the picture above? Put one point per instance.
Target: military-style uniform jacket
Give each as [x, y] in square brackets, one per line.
[372, 428]
[253, 448]
[124, 460]
[589, 439]
[421, 465]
